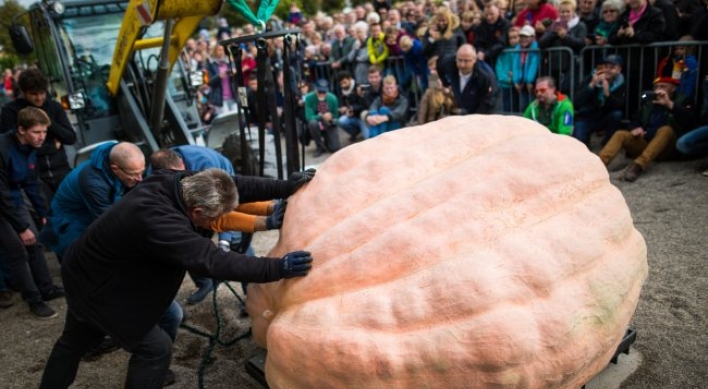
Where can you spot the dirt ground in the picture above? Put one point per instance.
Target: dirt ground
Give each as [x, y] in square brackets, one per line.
[669, 204]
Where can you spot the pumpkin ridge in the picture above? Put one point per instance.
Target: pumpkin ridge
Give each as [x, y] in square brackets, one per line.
[344, 169]
[558, 283]
[591, 186]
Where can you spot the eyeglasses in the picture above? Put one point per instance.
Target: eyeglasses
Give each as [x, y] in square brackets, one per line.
[609, 11]
[132, 174]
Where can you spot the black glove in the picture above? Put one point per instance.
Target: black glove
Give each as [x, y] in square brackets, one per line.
[301, 178]
[295, 264]
[275, 220]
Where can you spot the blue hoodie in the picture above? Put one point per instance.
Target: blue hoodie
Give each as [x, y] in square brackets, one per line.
[526, 74]
[88, 191]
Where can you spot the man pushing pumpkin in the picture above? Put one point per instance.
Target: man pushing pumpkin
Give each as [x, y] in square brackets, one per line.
[126, 269]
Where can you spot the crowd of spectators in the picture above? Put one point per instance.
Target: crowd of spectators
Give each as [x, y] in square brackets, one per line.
[472, 56]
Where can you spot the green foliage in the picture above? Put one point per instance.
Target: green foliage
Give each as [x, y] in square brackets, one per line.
[332, 6]
[310, 8]
[7, 11]
[8, 61]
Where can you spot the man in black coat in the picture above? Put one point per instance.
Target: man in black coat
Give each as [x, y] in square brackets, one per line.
[473, 83]
[52, 163]
[124, 272]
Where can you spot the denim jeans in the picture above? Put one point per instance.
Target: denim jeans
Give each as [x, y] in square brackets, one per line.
[352, 126]
[383, 127]
[694, 142]
[171, 319]
[27, 265]
[585, 126]
[148, 363]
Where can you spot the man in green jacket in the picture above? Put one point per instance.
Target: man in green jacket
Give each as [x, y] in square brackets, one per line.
[551, 108]
[321, 110]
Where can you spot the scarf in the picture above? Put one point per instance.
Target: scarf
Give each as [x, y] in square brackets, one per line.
[634, 16]
[573, 22]
[388, 100]
[605, 29]
[347, 92]
[616, 83]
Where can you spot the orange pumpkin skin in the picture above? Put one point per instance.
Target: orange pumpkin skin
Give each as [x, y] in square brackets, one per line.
[471, 252]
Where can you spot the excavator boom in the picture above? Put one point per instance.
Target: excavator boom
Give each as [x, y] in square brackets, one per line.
[142, 13]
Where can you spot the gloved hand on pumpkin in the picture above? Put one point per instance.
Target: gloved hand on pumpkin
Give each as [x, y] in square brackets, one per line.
[301, 178]
[295, 264]
[275, 220]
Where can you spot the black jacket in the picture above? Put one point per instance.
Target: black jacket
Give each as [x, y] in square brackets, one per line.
[353, 101]
[17, 175]
[49, 158]
[481, 91]
[124, 271]
[491, 38]
[587, 101]
[650, 28]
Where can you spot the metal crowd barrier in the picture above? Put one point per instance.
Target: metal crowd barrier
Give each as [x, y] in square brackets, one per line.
[567, 68]
[641, 65]
[561, 63]
[408, 82]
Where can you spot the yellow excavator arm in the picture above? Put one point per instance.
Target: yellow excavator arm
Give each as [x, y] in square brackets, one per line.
[141, 13]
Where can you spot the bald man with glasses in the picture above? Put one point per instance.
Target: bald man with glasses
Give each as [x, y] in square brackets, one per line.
[473, 83]
[91, 188]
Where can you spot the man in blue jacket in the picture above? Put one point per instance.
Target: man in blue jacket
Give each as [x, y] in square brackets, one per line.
[91, 188]
[18, 232]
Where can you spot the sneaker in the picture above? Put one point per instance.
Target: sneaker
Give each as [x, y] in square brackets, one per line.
[42, 310]
[200, 294]
[632, 173]
[169, 378]
[54, 293]
[6, 299]
[705, 173]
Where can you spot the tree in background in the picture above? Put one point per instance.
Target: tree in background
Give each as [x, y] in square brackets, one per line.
[8, 55]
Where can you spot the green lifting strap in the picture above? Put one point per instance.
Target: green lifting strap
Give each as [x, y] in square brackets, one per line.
[265, 10]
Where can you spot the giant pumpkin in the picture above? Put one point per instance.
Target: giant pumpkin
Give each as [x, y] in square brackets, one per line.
[472, 252]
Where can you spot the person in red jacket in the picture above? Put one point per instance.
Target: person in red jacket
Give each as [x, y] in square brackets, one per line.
[537, 14]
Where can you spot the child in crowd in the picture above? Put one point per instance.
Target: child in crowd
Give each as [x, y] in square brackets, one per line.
[436, 102]
[683, 66]
[505, 72]
[526, 63]
[415, 62]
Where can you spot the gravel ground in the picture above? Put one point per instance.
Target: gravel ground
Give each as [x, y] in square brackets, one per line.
[669, 204]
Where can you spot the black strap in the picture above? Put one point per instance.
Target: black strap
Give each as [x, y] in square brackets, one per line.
[270, 88]
[262, 67]
[243, 109]
[289, 101]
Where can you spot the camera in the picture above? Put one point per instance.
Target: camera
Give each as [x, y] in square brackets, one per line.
[650, 95]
